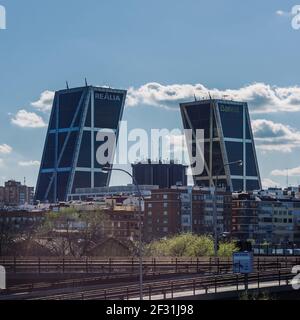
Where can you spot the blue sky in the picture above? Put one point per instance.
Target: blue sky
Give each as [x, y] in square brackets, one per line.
[222, 45]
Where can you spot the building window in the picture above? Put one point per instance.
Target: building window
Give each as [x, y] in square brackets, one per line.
[165, 213]
[149, 213]
[165, 205]
[165, 196]
[149, 205]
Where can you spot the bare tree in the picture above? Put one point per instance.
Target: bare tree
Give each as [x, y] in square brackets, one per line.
[7, 235]
[71, 231]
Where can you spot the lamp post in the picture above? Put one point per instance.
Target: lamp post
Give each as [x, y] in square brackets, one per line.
[215, 213]
[106, 169]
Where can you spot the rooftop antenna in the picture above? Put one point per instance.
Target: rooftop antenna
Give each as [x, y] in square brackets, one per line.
[287, 177]
[67, 84]
[159, 151]
[195, 97]
[86, 84]
[209, 95]
[24, 181]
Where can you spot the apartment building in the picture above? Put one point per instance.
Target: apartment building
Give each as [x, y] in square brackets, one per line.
[13, 193]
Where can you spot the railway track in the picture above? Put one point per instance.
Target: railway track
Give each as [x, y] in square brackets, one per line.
[171, 287]
[107, 280]
[91, 272]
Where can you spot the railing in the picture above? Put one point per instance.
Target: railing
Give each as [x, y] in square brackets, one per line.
[275, 250]
[129, 266]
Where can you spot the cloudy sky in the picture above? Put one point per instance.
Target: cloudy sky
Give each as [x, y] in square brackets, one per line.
[163, 53]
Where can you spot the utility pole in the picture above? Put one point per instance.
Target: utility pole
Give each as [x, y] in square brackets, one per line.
[105, 170]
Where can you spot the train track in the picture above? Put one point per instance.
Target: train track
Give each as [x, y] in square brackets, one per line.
[171, 287]
[107, 280]
[126, 271]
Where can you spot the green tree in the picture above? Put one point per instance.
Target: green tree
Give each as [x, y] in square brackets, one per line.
[188, 245]
[226, 249]
[185, 244]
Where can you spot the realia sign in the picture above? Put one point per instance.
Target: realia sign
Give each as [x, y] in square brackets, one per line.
[107, 96]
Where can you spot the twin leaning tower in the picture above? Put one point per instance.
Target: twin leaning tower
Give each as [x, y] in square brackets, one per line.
[69, 156]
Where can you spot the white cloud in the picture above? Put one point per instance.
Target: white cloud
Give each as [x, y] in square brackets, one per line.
[25, 119]
[262, 98]
[45, 101]
[5, 149]
[30, 163]
[283, 13]
[271, 136]
[286, 172]
[269, 183]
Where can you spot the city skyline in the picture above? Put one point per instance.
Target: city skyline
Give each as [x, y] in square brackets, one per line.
[162, 64]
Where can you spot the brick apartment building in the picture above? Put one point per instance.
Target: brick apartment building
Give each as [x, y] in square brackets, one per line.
[162, 215]
[14, 194]
[122, 223]
[171, 211]
[245, 210]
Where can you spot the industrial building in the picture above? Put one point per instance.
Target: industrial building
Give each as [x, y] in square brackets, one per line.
[165, 175]
[87, 194]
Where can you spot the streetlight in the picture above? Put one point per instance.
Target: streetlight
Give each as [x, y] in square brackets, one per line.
[215, 213]
[105, 170]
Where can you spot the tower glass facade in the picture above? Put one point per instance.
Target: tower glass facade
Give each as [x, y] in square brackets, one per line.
[228, 138]
[69, 157]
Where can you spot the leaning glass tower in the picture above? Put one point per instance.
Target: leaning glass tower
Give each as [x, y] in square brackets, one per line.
[69, 158]
[228, 138]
